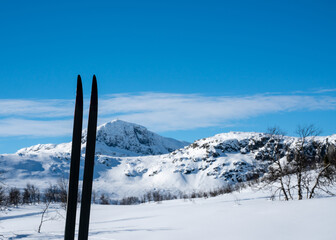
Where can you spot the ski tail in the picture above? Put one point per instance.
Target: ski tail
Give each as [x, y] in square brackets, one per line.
[89, 164]
[70, 223]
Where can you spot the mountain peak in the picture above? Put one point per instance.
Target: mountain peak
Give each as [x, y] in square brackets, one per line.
[133, 139]
[116, 138]
[115, 126]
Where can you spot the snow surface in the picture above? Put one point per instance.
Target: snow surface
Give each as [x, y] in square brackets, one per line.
[244, 215]
[204, 165]
[125, 166]
[115, 138]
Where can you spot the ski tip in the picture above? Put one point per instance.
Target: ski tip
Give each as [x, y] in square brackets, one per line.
[79, 82]
[94, 91]
[79, 88]
[94, 83]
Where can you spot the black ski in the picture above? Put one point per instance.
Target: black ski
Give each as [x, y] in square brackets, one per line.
[89, 164]
[70, 222]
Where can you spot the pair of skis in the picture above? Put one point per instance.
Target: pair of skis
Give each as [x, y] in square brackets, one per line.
[70, 223]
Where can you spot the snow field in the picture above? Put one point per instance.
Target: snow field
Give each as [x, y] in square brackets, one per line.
[236, 216]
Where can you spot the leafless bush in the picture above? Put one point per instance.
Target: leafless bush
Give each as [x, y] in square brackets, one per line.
[31, 194]
[62, 192]
[94, 196]
[46, 216]
[104, 199]
[44, 211]
[14, 196]
[130, 201]
[56, 193]
[2, 196]
[310, 166]
[159, 196]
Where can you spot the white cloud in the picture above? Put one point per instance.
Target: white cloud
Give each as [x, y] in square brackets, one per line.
[26, 127]
[330, 90]
[157, 111]
[164, 112]
[43, 108]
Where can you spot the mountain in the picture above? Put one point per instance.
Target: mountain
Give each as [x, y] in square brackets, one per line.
[204, 165]
[116, 138]
[122, 167]
[43, 163]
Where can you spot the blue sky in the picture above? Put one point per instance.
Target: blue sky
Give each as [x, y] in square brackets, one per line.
[185, 69]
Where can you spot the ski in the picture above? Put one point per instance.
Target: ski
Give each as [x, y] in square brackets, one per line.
[70, 222]
[89, 164]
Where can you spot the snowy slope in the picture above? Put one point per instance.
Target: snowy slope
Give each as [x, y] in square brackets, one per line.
[43, 164]
[237, 216]
[116, 138]
[201, 166]
[204, 165]
[132, 139]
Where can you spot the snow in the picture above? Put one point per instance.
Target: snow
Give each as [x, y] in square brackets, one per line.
[115, 138]
[125, 166]
[204, 165]
[245, 215]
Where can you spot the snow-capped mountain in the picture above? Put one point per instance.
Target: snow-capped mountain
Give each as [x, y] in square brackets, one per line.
[116, 138]
[201, 166]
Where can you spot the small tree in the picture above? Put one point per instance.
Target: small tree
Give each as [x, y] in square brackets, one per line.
[278, 172]
[34, 193]
[157, 196]
[104, 199]
[94, 196]
[26, 196]
[2, 196]
[308, 166]
[303, 161]
[326, 172]
[14, 196]
[44, 212]
[50, 194]
[31, 194]
[55, 194]
[62, 192]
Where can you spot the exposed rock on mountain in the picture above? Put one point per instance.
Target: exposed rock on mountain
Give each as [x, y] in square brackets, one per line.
[116, 138]
[128, 161]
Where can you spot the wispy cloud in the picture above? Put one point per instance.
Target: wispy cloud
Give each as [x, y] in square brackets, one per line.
[38, 128]
[326, 90]
[164, 112]
[36, 108]
[157, 111]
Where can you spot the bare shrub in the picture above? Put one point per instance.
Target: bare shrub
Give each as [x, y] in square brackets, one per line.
[2, 196]
[56, 193]
[14, 196]
[31, 194]
[104, 199]
[311, 165]
[44, 211]
[62, 192]
[130, 201]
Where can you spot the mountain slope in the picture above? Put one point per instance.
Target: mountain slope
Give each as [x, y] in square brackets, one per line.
[206, 164]
[133, 139]
[209, 163]
[116, 138]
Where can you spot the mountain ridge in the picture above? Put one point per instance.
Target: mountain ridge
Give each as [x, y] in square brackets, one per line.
[117, 138]
[208, 163]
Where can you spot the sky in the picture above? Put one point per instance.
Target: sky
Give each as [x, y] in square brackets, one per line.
[184, 69]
